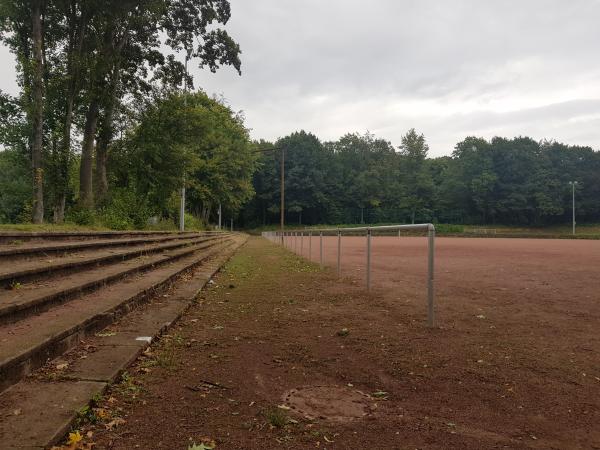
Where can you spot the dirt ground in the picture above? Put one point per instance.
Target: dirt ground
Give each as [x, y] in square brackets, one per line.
[278, 354]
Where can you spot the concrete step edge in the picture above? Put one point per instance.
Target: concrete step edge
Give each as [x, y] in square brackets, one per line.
[88, 245]
[50, 269]
[13, 312]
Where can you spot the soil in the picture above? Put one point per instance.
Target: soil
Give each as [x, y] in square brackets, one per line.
[278, 354]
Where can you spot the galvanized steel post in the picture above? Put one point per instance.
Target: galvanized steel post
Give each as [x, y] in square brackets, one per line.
[430, 277]
[301, 243]
[321, 248]
[368, 259]
[339, 253]
[309, 245]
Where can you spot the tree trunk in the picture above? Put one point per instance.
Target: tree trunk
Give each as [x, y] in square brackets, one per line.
[37, 115]
[59, 209]
[105, 137]
[86, 194]
[73, 73]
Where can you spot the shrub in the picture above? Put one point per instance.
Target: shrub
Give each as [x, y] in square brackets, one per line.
[81, 216]
[124, 210]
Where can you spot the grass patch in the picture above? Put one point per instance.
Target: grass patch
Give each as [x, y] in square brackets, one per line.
[49, 227]
[276, 418]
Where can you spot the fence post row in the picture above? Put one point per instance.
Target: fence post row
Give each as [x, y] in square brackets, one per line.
[286, 241]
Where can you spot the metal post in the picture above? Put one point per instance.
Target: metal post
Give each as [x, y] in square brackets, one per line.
[282, 192]
[321, 248]
[398, 232]
[339, 256]
[219, 215]
[369, 259]
[309, 245]
[295, 242]
[430, 276]
[573, 184]
[301, 242]
[182, 210]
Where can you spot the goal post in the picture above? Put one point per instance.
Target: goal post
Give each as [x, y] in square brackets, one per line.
[280, 237]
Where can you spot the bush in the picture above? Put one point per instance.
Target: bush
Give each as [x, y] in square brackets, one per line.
[81, 216]
[124, 210]
[192, 223]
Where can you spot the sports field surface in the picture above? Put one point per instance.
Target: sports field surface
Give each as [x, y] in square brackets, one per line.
[278, 354]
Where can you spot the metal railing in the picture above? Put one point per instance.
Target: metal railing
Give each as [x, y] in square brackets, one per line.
[290, 240]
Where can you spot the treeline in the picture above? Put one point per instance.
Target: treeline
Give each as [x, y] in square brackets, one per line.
[364, 179]
[98, 80]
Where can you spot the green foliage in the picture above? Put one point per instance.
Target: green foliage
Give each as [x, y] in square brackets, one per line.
[192, 223]
[362, 179]
[191, 139]
[82, 216]
[449, 228]
[15, 188]
[125, 210]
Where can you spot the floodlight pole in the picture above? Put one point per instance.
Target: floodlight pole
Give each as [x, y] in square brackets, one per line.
[573, 184]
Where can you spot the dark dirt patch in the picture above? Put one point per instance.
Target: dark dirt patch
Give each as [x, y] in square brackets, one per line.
[502, 380]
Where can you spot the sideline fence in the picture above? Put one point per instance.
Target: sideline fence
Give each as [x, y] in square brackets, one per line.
[293, 238]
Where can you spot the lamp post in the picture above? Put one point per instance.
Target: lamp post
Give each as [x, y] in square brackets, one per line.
[573, 184]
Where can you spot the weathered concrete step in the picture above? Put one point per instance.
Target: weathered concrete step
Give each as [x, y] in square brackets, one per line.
[6, 237]
[29, 343]
[35, 298]
[34, 269]
[45, 248]
[47, 409]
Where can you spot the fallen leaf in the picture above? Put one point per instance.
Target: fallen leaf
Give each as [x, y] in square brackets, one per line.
[114, 423]
[74, 438]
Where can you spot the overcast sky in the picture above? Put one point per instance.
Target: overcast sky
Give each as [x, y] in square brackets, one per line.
[449, 68]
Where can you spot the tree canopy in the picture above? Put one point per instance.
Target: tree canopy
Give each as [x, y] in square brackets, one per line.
[361, 178]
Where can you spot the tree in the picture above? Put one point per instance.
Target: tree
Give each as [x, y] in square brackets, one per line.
[415, 178]
[21, 29]
[187, 138]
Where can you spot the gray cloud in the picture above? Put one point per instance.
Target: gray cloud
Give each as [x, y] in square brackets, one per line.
[448, 68]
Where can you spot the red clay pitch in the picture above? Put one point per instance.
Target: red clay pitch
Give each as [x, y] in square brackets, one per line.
[513, 362]
[520, 281]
